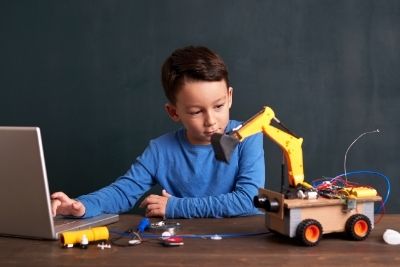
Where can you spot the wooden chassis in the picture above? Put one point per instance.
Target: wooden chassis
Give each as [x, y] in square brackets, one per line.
[332, 214]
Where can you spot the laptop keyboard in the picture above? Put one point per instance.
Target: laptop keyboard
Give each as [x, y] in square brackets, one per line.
[59, 220]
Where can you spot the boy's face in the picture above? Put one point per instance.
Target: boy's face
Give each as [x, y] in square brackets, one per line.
[203, 109]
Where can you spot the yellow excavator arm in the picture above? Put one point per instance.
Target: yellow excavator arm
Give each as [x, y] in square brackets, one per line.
[261, 122]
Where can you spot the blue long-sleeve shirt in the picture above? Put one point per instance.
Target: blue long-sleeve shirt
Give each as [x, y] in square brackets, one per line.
[200, 185]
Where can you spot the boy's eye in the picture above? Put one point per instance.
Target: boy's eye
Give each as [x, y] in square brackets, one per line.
[219, 106]
[195, 112]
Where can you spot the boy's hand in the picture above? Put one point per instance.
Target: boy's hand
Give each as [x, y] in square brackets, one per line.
[155, 204]
[62, 204]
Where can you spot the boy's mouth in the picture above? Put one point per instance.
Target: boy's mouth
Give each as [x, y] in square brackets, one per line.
[209, 133]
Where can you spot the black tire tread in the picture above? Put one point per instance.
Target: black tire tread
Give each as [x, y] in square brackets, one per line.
[300, 232]
[351, 221]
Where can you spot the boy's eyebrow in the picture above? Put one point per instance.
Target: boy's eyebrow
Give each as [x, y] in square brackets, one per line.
[220, 99]
[214, 102]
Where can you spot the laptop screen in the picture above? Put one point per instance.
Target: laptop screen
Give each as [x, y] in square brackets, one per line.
[24, 193]
[25, 205]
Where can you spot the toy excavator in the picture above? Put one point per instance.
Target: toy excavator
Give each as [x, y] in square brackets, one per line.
[301, 213]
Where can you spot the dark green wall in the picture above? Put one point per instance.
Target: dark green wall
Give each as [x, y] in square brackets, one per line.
[88, 73]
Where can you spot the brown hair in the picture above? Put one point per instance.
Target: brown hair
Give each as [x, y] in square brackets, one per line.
[195, 63]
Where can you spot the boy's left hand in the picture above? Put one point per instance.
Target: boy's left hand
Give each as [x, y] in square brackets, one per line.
[155, 205]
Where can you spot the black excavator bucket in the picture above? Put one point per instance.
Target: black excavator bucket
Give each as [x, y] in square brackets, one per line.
[223, 146]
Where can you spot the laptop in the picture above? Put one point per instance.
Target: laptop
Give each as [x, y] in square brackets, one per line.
[25, 206]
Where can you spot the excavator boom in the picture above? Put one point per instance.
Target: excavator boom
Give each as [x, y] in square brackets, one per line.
[224, 144]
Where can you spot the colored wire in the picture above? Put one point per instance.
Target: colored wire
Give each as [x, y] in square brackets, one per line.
[200, 236]
[209, 236]
[347, 150]
[382, 213]
[118, 241]
[388, 187]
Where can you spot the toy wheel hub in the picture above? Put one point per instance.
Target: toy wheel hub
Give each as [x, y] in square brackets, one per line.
[312, 233]
[361, 228]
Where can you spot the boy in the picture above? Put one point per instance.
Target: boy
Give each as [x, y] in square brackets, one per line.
[196, 84]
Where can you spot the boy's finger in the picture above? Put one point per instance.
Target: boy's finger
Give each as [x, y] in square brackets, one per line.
[165, 194]
[144, 203]
[60, 196]
[152, 199]
[152, 207]
[56, 194]
[76, 205]
[54, 206]
[153, 213]
[77, 208]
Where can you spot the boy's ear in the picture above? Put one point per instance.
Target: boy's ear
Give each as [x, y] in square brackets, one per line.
[171, 111]
[230, 96]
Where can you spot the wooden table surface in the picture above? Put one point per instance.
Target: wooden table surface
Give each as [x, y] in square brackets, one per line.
[261, 250]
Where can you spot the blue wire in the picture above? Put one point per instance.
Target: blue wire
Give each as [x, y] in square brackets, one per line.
[209, 236]
[372, 173]
[147, 235]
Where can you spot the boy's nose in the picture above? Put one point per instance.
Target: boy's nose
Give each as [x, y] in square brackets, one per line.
[209, 120]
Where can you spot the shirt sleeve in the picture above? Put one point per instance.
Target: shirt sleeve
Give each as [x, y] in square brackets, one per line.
[123, 194]
[239, 202]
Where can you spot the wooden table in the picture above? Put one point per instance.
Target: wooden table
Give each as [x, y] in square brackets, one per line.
[261, 250]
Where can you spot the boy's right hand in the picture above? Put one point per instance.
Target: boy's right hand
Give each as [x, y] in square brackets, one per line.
[62, 204]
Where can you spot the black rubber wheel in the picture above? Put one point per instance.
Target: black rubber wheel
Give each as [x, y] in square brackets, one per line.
[309, 232]
[358, 227]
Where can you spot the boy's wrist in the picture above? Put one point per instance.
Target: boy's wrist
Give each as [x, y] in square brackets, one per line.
[169, 210]
[88, 208]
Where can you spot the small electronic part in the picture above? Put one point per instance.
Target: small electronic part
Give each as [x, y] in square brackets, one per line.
[103, 245]
[300, 194]
[327, 194]
[391, 237]
[172, 231]
[92, 234]
[134, 242]
[164, 225]
[135, 237]
[166, 235]
[84, 242]
[158, 224]
[307, 194]
[173, 241]
[216, 237]
[143, 225]
[311, 195]
[361, 191]
[351, 204]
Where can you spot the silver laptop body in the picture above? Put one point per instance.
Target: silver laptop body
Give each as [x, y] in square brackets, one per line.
[25, 205]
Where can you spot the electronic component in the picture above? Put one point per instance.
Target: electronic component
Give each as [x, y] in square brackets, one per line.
[76, 237]
[300, 196]
[134, 242]
[360, 191]
[143, 225]
[103, 245]
[84, 242]
[391, 237]
[173, 241]
[164, 225]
